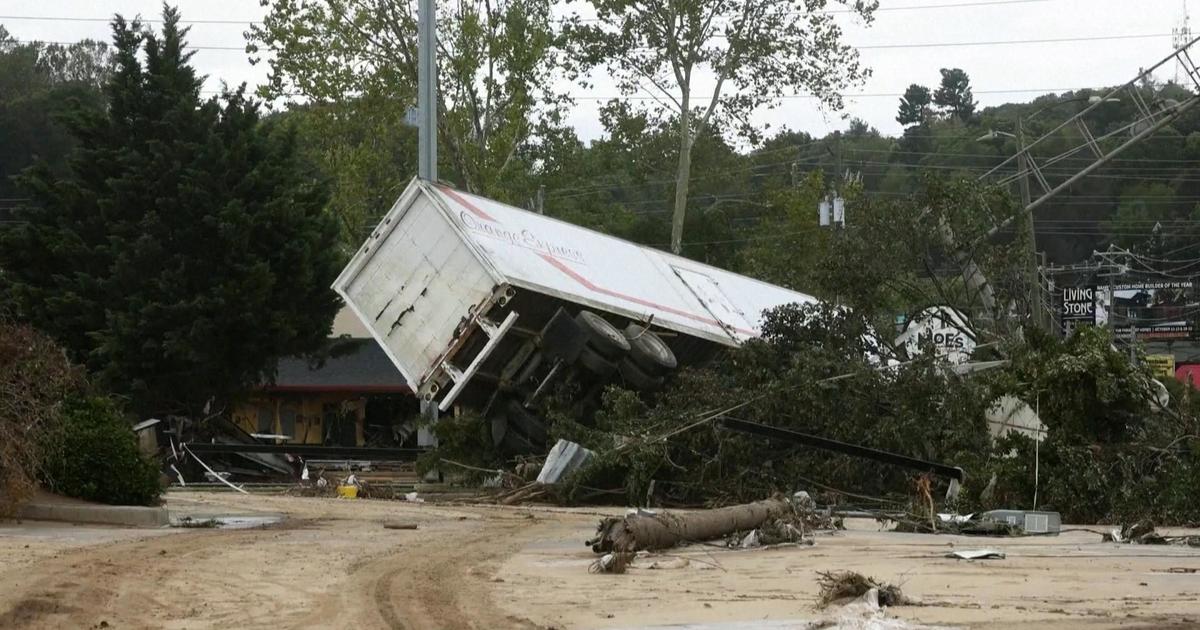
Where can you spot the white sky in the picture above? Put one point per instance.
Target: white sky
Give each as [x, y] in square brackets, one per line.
[997, 71]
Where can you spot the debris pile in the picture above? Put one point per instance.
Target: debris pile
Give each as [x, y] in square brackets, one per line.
[1143, 533]
[842, 587]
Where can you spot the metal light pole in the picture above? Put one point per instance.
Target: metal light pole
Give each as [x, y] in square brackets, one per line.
[427, 90]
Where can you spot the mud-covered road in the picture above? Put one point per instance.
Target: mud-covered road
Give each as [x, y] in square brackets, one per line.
[331, 563]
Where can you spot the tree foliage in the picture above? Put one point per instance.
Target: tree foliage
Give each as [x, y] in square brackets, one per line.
[93, 454]
[185, 248]
[787, 379]
[954, 95]
[753, 52]
[355, 62]
[915, 105]
[1110, 454]
[37, 81]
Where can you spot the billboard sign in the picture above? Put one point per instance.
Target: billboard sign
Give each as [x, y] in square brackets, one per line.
[1150, 310]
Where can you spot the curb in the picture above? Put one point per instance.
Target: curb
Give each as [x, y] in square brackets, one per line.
[124, 515]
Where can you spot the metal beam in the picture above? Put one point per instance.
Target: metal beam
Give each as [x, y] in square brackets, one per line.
[312, 451]
[795, 437]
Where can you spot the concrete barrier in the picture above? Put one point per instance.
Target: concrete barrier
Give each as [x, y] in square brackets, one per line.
[122, 515]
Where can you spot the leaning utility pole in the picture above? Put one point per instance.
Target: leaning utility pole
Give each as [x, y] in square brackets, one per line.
[1148, 117]
[427, 90]
[1031, 272]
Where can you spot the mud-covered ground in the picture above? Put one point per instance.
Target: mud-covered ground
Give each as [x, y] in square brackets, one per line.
[330, 563]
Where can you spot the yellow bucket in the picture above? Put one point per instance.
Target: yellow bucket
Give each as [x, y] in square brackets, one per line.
[347, 492]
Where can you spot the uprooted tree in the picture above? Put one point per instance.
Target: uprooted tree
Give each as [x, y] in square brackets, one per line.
[1111, 451]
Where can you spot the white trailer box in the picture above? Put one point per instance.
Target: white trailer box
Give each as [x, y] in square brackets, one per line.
[447, 275]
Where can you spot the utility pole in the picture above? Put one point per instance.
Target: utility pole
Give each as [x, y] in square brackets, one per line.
[427, 90]
[1180, 36]
[541, 200]
[1033, 279]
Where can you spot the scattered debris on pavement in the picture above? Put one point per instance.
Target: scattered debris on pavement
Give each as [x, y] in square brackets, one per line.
[977, 554]
[565, 458]
[613, 562]
[1143, 533]
[194, 523]
[992, 523]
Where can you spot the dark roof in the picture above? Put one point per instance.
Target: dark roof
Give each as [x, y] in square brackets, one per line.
[352, 365]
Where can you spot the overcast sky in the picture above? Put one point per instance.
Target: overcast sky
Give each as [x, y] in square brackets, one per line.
[1129, 34]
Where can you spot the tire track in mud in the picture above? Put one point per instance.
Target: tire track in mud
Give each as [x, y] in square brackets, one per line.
[335, 567]
[382, 595]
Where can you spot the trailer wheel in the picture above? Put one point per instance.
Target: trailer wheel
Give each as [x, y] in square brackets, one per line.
[637, 378]
[499, 428]
[649, 351]
[602, 336]
[526, 423]
[516, 444]
[591, 361]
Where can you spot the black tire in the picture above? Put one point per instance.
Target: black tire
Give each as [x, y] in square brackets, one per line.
[637, 378]
[516, 444]
[526, 423]
[649, 351]
[499, 428]
[602, 336]
[591, 361]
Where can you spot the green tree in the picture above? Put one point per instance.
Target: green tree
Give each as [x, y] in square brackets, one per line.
[185, 248]
[355, 62]
[954, 95]
[752, 53]
[37, 81]
[914, 105]
[366, 154]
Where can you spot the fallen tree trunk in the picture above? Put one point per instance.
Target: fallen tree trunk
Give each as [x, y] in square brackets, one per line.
[644, 530]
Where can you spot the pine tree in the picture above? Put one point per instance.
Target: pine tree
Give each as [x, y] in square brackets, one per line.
[186, 248]
[954, 96]
[914, 106]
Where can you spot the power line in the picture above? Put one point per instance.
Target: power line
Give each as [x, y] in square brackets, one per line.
[897, 46]
[1009, 42]
[1088, 160]
[29, 42]
[597, 187]
[105, 20]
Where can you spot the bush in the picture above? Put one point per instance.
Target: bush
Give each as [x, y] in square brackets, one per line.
[93, 454]
[35, 377]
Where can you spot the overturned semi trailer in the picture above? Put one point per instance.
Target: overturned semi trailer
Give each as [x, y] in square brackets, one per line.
[482, 304]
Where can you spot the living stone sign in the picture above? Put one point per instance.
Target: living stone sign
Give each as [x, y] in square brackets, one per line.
[1078, 308]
